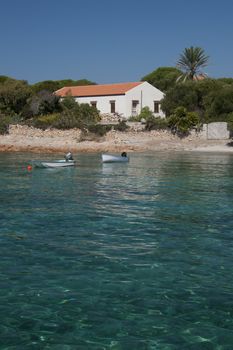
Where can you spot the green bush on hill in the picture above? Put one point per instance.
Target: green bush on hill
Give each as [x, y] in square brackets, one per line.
[121, 126]
[46, 121]
[99, 129]
[4, 124]
[156, 123]
[182, 121]
[13, 96]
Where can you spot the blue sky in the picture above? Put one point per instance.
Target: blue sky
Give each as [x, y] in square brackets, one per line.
[109, 41]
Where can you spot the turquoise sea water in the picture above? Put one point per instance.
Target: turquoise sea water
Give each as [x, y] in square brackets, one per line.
[117, 256]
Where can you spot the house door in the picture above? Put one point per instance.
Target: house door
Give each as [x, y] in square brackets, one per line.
[135, 105]
[112, 107]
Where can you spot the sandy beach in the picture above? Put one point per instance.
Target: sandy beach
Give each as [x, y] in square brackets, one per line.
[24, 138]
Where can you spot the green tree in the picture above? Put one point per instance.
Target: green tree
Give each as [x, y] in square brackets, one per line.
[49, 85]
[82, 82]
[203, 89]
[43, 103]
[226, 81]
[163, 78]
[191, 95]
[4, 78]
[53, 85]
[219, 103]
[13, 96]
[191, 62]
[180, 95]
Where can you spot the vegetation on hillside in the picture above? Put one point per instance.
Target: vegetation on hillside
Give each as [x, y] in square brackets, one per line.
[190, 88]
[53, 85]
[188, 102]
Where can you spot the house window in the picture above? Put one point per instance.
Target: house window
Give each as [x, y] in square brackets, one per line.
[112, 107]
[156, 107]
[94, 104]
[134, 107]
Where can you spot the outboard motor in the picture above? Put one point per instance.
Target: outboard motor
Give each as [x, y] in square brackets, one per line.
[124, 154]
[68, 156]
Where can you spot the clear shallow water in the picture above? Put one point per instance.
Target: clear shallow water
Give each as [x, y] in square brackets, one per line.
[117, 256]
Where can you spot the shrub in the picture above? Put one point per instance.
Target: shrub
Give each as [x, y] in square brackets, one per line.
[68, 102]
[75, 115]
[219, 103]
[121, 126]
[182, 121]
[99, 129]
[146, 113]
[13, 96]
[88, 114]
[156, 123]
[68, 120]
[135, 118]
[42, 103]
[4, 124]
[45, 121]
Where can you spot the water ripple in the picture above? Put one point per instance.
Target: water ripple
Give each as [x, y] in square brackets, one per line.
[117, 256]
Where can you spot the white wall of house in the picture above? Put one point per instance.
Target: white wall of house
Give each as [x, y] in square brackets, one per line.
[146, 94]
[129, 104]
[103, 103]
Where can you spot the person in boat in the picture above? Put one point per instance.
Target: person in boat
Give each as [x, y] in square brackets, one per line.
[124, 154]
[69, 156]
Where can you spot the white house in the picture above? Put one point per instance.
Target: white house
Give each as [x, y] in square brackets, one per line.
[123, 99]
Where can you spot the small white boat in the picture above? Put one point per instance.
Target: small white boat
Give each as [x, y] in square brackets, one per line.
[61, 163]
[54, 164]
[108, 158]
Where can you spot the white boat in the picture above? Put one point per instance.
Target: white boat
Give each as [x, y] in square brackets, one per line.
[108, 158]
[54, 163]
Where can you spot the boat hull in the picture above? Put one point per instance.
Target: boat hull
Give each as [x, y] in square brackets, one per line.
[108, 158]
[54, 164]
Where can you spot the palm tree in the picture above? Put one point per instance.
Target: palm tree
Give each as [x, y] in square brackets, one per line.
[190, 62]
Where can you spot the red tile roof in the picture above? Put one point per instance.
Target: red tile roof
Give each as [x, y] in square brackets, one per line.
[97, 90]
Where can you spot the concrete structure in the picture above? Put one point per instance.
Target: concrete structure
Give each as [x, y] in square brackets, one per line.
[123, 99]
[215, 131]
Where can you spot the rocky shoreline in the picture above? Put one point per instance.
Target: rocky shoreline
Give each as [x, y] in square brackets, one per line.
[28, 139]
